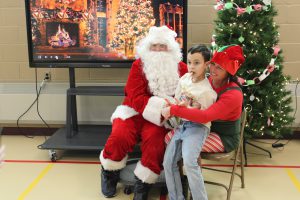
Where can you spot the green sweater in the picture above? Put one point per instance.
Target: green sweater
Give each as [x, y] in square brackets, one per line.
[230, 133]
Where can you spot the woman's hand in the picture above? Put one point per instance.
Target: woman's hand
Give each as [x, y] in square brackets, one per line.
[166, 112]
[185, 102]
[169, 103]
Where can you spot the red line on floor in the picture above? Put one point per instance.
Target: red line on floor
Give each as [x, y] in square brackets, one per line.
[273, 166]
[96, 162]
[255, 166]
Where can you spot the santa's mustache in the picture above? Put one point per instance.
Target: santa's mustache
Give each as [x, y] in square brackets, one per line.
[158, 57]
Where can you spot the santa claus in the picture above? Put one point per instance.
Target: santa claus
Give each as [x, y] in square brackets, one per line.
[152, 79]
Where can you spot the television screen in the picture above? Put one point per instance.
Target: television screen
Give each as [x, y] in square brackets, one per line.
[96, 33]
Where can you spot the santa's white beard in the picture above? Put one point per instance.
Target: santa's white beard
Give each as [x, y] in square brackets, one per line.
[161, 71]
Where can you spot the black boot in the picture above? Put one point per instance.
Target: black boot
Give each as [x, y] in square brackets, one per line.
[141, 190]
[109, 181]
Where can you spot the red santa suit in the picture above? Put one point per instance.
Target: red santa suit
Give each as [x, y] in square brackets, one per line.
[138, 119]
[152, 79]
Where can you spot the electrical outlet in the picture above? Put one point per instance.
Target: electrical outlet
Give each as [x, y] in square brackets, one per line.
[47, 76]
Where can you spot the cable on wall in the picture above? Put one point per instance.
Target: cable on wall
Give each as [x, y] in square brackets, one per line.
[36, 100]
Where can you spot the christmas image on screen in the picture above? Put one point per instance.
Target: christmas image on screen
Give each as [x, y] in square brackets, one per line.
[97, 30]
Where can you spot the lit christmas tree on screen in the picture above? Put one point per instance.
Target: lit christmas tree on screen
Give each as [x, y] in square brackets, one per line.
[133, 20]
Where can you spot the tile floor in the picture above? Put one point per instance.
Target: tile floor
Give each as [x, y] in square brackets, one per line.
[28, 174]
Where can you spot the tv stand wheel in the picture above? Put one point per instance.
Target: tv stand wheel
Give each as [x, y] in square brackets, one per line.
[53, 155]
[127, 190]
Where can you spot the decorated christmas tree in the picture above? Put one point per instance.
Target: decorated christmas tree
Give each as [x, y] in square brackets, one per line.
[133, 24]
[251, 25]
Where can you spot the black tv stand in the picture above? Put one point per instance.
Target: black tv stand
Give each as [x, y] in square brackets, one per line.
[80, 137]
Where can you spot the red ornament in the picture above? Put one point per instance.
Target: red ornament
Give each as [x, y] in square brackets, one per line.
[240, 10]
[257, 7]
[270, 68]
[241, 80]
[276, 50]
[220, 7]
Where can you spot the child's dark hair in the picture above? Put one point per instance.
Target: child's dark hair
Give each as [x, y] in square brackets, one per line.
[200, 48]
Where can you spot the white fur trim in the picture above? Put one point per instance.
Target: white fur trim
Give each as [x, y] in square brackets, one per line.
[109, 164]
[152, 111]
[123, 112]
[162, 35]
[145, 174]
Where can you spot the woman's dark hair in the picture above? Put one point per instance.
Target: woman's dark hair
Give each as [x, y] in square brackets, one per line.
[234, 79]
[200, 48]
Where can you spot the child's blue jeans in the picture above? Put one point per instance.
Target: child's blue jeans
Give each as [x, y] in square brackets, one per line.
[186, 143]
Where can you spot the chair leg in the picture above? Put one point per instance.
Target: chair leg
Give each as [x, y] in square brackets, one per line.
[233, 174]
[245, 152]
[242, 166]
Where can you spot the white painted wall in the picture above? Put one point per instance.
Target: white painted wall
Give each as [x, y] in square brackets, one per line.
[296, 101]
[15, 98]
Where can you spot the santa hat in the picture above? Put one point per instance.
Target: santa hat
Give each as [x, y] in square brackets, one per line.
[159, 35]
[229, 58]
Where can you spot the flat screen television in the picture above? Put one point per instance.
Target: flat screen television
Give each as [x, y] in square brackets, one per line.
[96, 33]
